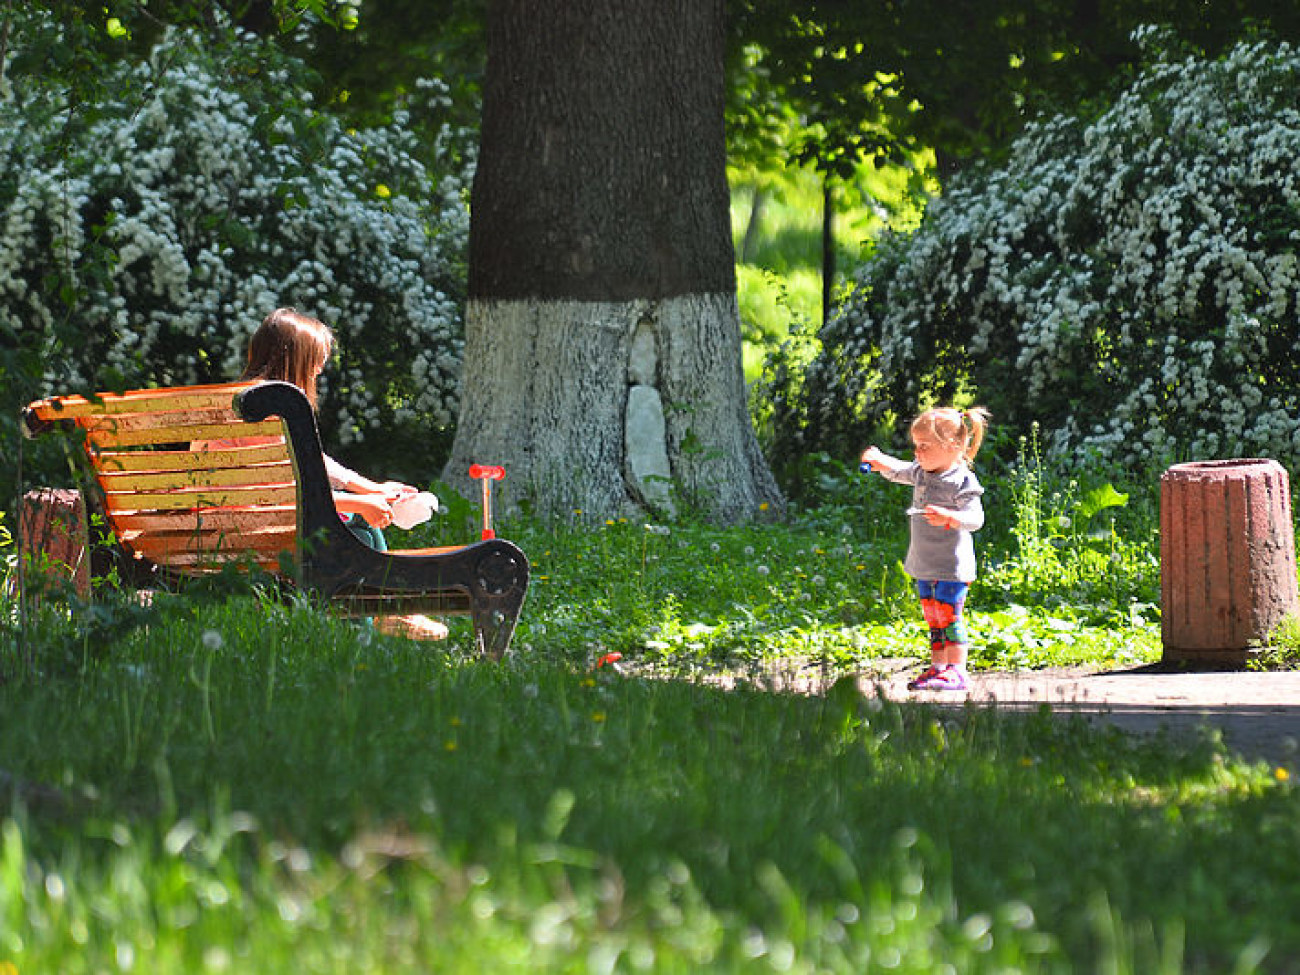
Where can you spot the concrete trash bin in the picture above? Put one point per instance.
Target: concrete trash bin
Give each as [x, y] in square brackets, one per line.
[1227, 559]
[54, 541]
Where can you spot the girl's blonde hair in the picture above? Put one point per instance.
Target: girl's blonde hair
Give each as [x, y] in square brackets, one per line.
[952, 427]
[292, 347]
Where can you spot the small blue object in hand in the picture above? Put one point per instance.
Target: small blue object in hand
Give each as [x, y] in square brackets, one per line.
[864, 467]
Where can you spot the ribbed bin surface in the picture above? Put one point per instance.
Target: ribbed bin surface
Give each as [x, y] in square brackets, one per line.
[1227, 558]
[53, 538]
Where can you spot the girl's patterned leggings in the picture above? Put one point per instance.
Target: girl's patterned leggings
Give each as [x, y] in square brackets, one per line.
[942, 604]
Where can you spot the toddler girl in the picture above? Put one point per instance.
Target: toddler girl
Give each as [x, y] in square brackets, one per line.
[945, 510]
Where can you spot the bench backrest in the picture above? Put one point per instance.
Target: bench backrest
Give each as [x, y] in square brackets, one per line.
[184, 509]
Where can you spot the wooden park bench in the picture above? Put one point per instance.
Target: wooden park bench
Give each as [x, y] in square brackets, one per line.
[193, 512]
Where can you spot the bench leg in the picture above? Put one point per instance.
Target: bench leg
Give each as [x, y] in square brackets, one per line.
[497, 590]
[494, 625]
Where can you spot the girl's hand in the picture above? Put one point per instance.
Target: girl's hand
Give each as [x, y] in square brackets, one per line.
[941, 517]
[881, 462]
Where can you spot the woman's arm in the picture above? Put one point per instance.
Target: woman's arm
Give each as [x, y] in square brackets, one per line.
[349, 481]
[374, 508]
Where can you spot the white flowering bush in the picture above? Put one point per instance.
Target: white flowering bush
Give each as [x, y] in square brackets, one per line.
[145, 235]
[1130, 283]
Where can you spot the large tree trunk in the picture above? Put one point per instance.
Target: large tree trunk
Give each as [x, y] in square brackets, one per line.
[603, 353]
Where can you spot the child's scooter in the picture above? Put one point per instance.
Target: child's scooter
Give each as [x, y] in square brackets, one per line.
[487, 474]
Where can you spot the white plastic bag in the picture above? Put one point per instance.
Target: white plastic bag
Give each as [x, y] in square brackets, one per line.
[414, 509]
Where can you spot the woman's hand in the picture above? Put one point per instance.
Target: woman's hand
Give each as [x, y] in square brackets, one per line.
[377, 512]
[394, 491]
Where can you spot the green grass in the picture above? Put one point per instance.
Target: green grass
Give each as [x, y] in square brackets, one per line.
[225, 784]
[779, 279]
[829, 585]
[769, 304]
[244, 785]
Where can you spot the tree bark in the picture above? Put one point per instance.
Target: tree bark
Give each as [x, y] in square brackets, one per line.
[603, 352]
[828, 247]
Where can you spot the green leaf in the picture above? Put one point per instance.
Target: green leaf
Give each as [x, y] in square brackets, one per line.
[1099, 499]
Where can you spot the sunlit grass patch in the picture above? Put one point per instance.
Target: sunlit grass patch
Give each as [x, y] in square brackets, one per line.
[240, 782]
[829, 585]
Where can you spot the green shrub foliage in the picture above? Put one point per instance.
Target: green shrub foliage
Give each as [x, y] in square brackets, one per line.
[1129, 282]
[152, 219]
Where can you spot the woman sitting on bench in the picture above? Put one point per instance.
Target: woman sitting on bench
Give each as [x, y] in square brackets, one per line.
[295, 348]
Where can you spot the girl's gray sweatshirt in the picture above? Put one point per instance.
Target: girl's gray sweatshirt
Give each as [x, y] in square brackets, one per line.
[942, 554]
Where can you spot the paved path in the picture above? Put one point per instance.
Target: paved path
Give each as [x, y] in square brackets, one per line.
[1257, 712]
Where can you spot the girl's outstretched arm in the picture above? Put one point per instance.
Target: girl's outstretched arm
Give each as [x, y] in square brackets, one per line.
[881, 461]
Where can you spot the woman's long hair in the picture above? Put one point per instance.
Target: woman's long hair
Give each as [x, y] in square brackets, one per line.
[292, 347]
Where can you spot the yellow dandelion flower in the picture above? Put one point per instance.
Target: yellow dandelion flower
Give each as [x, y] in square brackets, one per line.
[1281, 774]
[383, 192]
[598, 717]
[449, 746]
[762, 506]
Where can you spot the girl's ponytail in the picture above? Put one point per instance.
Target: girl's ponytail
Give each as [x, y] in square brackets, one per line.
[976, 422]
